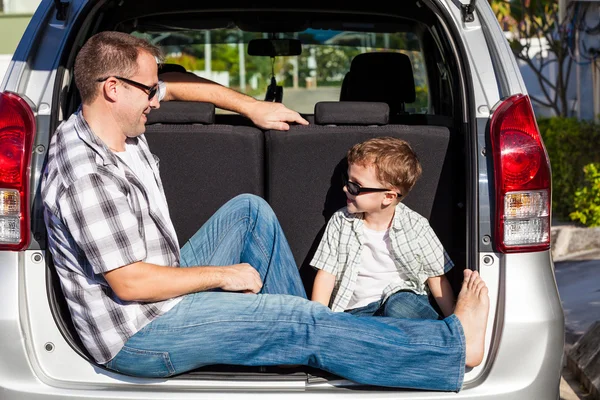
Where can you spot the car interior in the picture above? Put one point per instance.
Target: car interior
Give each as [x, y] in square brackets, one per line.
[207, 155]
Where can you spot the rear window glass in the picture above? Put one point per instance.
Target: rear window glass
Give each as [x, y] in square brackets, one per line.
[315, 75]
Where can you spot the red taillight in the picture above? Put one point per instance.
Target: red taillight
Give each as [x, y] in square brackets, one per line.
[522, 178]
[17, 128]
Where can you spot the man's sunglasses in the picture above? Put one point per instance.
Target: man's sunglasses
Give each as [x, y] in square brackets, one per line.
[150, 90]
[355, 189]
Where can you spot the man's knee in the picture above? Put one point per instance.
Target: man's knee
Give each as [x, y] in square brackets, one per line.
[249, 198]
[253, 202]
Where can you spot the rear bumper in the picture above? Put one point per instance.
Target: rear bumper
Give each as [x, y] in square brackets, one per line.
[524, 358]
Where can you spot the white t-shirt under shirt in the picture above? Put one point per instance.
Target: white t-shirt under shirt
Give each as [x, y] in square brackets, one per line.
[377, 269]
[155, 197]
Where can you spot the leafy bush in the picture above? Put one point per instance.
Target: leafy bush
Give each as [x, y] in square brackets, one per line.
[587, 204]
[187, 61]
[421, 98]
[571, 145]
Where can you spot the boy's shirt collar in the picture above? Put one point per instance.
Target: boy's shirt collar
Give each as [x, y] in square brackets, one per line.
[356, 219]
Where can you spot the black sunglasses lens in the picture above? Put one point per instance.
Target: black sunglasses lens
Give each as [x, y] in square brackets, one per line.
[152, 92]
[352, 188]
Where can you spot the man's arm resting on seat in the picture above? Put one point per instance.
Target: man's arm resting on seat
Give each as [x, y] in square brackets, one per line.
[189, 87]
[144, 282]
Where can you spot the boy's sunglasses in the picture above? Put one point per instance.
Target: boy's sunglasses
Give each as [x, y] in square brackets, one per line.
[355, 189]
[150, 90]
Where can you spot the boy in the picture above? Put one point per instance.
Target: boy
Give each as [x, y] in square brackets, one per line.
[377, 256]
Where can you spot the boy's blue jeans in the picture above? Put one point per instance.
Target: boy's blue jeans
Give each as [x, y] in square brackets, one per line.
[280, 326]
[403, 304]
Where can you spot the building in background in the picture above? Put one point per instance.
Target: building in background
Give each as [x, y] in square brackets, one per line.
[14, 17]
[20, 6]
[582, 18]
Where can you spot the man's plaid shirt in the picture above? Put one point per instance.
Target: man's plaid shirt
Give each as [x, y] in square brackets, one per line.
[415, 248]
[98, 219]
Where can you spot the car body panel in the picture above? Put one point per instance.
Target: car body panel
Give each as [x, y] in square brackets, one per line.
[523, 294]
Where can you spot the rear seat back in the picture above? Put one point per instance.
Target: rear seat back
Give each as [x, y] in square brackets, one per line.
[203, 165]
[305, 166]
[299, 172]
[380, 77]
[387, 77]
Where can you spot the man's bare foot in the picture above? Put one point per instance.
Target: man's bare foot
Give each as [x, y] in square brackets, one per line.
[472, 308]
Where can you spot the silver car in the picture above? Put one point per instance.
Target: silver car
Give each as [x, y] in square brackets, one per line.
[460, 100]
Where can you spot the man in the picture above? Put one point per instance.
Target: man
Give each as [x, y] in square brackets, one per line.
[232, 294]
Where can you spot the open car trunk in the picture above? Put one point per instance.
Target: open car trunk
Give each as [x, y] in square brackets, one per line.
[208, 156]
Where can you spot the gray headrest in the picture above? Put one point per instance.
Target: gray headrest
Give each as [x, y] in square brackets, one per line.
[182, 112]
[385, 77]
[351, 113]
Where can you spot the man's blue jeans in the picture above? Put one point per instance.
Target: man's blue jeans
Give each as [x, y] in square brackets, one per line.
[280, 326]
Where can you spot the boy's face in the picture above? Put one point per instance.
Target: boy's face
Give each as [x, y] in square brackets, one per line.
[371, 202]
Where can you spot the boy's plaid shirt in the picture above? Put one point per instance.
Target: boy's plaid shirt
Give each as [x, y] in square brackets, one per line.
[98, 219]
[416, 250]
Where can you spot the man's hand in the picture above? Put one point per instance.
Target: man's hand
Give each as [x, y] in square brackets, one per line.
[241, 278]
[268, 115]
[185, 86]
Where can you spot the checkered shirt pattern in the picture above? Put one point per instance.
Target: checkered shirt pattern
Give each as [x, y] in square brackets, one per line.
[98, 219]
[415, 248]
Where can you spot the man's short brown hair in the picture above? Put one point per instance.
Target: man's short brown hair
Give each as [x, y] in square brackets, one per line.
[108, 54]
[395, 161]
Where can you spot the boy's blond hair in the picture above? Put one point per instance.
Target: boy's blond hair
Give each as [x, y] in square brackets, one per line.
[395, 161]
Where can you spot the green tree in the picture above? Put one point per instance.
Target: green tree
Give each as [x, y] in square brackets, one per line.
[587, 205]
[502, 11]
[534, 24]
[332, 62]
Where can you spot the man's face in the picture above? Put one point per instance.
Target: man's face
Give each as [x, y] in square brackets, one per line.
[134, 104]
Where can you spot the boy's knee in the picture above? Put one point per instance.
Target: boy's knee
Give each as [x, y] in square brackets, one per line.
[401, 300]
[246, 200]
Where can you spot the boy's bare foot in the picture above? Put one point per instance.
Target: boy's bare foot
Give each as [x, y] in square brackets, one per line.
[472, 308]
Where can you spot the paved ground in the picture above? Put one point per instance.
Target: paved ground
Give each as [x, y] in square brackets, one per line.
[578, 284]
[570, 388]
[303, 100]
[579, 288]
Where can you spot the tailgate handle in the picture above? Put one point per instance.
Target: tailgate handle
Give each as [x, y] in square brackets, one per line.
[61, 9]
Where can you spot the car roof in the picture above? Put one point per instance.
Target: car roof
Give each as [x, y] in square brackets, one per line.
[268, 16]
